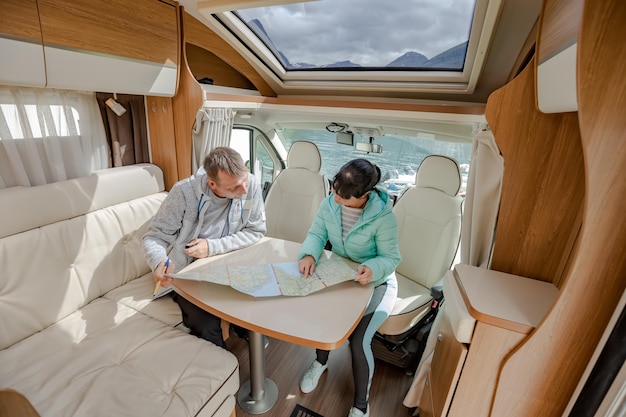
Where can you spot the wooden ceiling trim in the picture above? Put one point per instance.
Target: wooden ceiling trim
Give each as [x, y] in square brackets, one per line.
[445, 108]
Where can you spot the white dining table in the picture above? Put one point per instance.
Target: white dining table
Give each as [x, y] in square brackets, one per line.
[323, 320]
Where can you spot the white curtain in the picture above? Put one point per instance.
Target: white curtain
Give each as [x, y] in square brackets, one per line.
[212, 129]
[49, 135]
[482, 202]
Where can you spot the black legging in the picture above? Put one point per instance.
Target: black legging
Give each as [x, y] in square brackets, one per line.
[360, 364]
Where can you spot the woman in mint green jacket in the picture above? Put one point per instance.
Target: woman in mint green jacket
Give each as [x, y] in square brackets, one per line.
[358, 221]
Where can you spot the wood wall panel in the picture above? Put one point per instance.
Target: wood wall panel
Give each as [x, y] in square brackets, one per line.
[543, 185]
[186, 103]
[139, 29]
[171, 121]
[541, 377]
[203, 63]
[475, 392]
[560, 20]
[198, 34]
[20, 18]
[162, 137]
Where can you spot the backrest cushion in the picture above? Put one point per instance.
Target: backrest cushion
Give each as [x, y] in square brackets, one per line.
[296, 194]
[25, 208]
[63, 261]
[304, 154]
[429, 222]
[439, 172]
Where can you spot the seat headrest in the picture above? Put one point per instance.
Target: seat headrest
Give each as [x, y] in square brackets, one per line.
[304, 154]
[439, 172]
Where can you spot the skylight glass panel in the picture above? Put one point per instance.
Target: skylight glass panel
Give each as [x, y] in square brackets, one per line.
[365, 34]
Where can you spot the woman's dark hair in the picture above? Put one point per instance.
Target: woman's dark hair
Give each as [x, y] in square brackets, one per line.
[356, 178]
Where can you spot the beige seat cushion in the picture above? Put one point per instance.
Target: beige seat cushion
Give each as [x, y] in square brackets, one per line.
[412, 303]
[94, 360]
[137, 294]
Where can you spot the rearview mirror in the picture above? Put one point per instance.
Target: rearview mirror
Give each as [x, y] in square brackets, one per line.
[368, 147]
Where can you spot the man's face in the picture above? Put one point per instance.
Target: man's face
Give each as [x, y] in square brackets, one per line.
[229, 186]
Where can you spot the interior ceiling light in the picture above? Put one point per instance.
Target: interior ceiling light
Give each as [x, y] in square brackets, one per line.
[246, 116]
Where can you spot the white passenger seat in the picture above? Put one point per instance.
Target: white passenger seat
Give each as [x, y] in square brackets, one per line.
[296, 194]
[429, 230]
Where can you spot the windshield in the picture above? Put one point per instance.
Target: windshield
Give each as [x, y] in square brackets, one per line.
[398, 162]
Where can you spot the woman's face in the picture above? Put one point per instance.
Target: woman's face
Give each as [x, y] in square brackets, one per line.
[352, 202]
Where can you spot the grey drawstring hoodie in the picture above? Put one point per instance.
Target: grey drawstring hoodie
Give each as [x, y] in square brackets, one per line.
[191, 211]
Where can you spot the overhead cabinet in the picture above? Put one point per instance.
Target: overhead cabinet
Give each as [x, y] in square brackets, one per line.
[114, 46]
[21, 48]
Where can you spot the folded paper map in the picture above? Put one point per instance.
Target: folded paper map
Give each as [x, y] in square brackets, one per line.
[270, 280]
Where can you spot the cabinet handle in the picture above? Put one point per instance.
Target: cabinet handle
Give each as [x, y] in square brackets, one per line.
[439, 336]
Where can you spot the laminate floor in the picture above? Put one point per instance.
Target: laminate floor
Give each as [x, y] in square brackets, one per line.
[285, 363]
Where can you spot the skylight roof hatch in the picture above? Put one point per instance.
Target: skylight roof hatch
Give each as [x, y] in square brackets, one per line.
[282, 43]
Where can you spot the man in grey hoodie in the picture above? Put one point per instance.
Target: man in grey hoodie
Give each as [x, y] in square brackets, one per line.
[217, 210]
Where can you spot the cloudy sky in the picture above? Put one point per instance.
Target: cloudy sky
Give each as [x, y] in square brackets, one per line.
[366, 32]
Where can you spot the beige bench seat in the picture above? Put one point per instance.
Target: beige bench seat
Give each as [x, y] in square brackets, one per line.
[80, 335]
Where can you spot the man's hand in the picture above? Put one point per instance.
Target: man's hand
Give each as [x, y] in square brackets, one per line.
[197, 248]
[159, 274]
[306, 266]
[364, 275]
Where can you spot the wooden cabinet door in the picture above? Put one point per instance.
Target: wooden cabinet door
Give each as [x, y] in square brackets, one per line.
[115, 46]
[145, 30]
[426, 402]
[448, 361]
[20, 19]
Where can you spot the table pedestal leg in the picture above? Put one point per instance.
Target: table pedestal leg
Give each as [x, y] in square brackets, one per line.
[259, 394]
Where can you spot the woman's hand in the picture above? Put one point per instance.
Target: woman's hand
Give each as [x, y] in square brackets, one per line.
[364, 275]
[306, 266]
[197, 248]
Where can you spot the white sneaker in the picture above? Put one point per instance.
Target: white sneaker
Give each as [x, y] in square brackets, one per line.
[355, 412]
[312, 376]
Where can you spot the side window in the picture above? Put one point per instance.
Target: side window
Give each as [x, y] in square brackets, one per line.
[265, 163]
[48, 136]
[240, 140]
[255, 155]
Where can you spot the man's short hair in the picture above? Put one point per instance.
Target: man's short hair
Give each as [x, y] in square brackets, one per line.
[224, 159]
